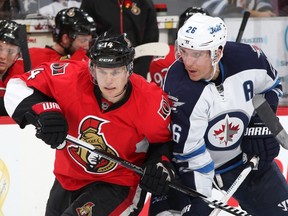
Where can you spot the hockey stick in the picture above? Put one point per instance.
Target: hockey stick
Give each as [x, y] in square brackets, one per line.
[246, 15]
[236, 184]
[270, 119]
[186, 190]
[22, 33]
[152, 49]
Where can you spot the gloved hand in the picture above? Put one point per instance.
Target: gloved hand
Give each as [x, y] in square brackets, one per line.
[258, 140]
[50, 123]
[157, 177]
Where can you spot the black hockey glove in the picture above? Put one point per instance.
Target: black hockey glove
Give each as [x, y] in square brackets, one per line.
[258, 140]
[51, 125]
[157, 177]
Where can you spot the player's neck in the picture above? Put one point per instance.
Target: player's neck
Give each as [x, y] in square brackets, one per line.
[59, 49]
[217, 72]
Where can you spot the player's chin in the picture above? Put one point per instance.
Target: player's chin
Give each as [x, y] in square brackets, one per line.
[194, 76]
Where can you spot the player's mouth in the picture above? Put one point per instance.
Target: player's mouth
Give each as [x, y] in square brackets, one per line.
[109, 88]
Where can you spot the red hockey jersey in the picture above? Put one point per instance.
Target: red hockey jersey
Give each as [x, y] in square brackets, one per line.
[160, 65]
[142, 117]
[47, 54]
[17, 68]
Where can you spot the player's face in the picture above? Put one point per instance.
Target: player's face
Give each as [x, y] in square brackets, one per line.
[112, 82]
[198, 63]
[81, 41]
[8, 55]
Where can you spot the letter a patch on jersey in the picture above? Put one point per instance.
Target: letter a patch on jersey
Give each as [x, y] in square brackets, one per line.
[58, 68]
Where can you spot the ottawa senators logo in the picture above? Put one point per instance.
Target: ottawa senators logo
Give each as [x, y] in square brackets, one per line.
[90, 132]
[85, 210]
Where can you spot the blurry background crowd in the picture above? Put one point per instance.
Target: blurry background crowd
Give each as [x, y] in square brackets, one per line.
[226, 8]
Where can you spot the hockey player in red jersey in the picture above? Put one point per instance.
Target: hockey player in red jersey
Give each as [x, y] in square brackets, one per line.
[11, 62]
[160, 65]
[118, 112]
[72, 33]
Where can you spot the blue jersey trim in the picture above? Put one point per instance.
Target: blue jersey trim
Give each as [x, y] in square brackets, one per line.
[195, 153]
[273, 87]
[206, 169]
[229, 168]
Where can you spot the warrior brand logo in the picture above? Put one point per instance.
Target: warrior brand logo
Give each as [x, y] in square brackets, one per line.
[257, 131]
[85, 210]
[58, 68]
[50, 105]
[90, 130]
[284, 205]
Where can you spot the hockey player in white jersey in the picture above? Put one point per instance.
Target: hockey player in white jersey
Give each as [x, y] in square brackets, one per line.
[211, 87]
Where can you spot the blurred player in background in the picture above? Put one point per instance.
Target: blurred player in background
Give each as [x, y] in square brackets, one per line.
[72, 34]
[136, 18]
[11, 62]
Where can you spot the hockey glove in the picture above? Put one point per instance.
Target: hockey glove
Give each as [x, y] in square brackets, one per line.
[50, 123]
[157, 176]
[259, 141]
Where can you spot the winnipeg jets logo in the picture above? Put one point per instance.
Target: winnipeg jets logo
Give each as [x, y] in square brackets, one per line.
[226, 132]
[284, 205]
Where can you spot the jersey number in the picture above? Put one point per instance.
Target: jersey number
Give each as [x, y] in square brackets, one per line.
[176, 129]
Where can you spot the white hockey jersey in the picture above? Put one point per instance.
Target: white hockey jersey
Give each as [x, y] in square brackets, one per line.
[209, 120]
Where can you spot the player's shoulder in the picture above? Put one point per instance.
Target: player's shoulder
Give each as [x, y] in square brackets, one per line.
[238, 57]
[144, 88]
[41, 50]
[70, 69]
[241, 51]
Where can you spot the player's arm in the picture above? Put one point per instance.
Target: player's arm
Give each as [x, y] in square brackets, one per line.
[194, 162]
[154, 124]
[27, 105]
[258, 139]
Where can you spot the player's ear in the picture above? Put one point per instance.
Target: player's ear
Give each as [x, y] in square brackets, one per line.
[219, 53]
[65, 39]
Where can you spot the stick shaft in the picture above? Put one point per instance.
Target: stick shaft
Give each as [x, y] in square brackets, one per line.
[270, 119]
[152, 49]
[246, 15]
[236, 184]
[186, 190]
[24, 47]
